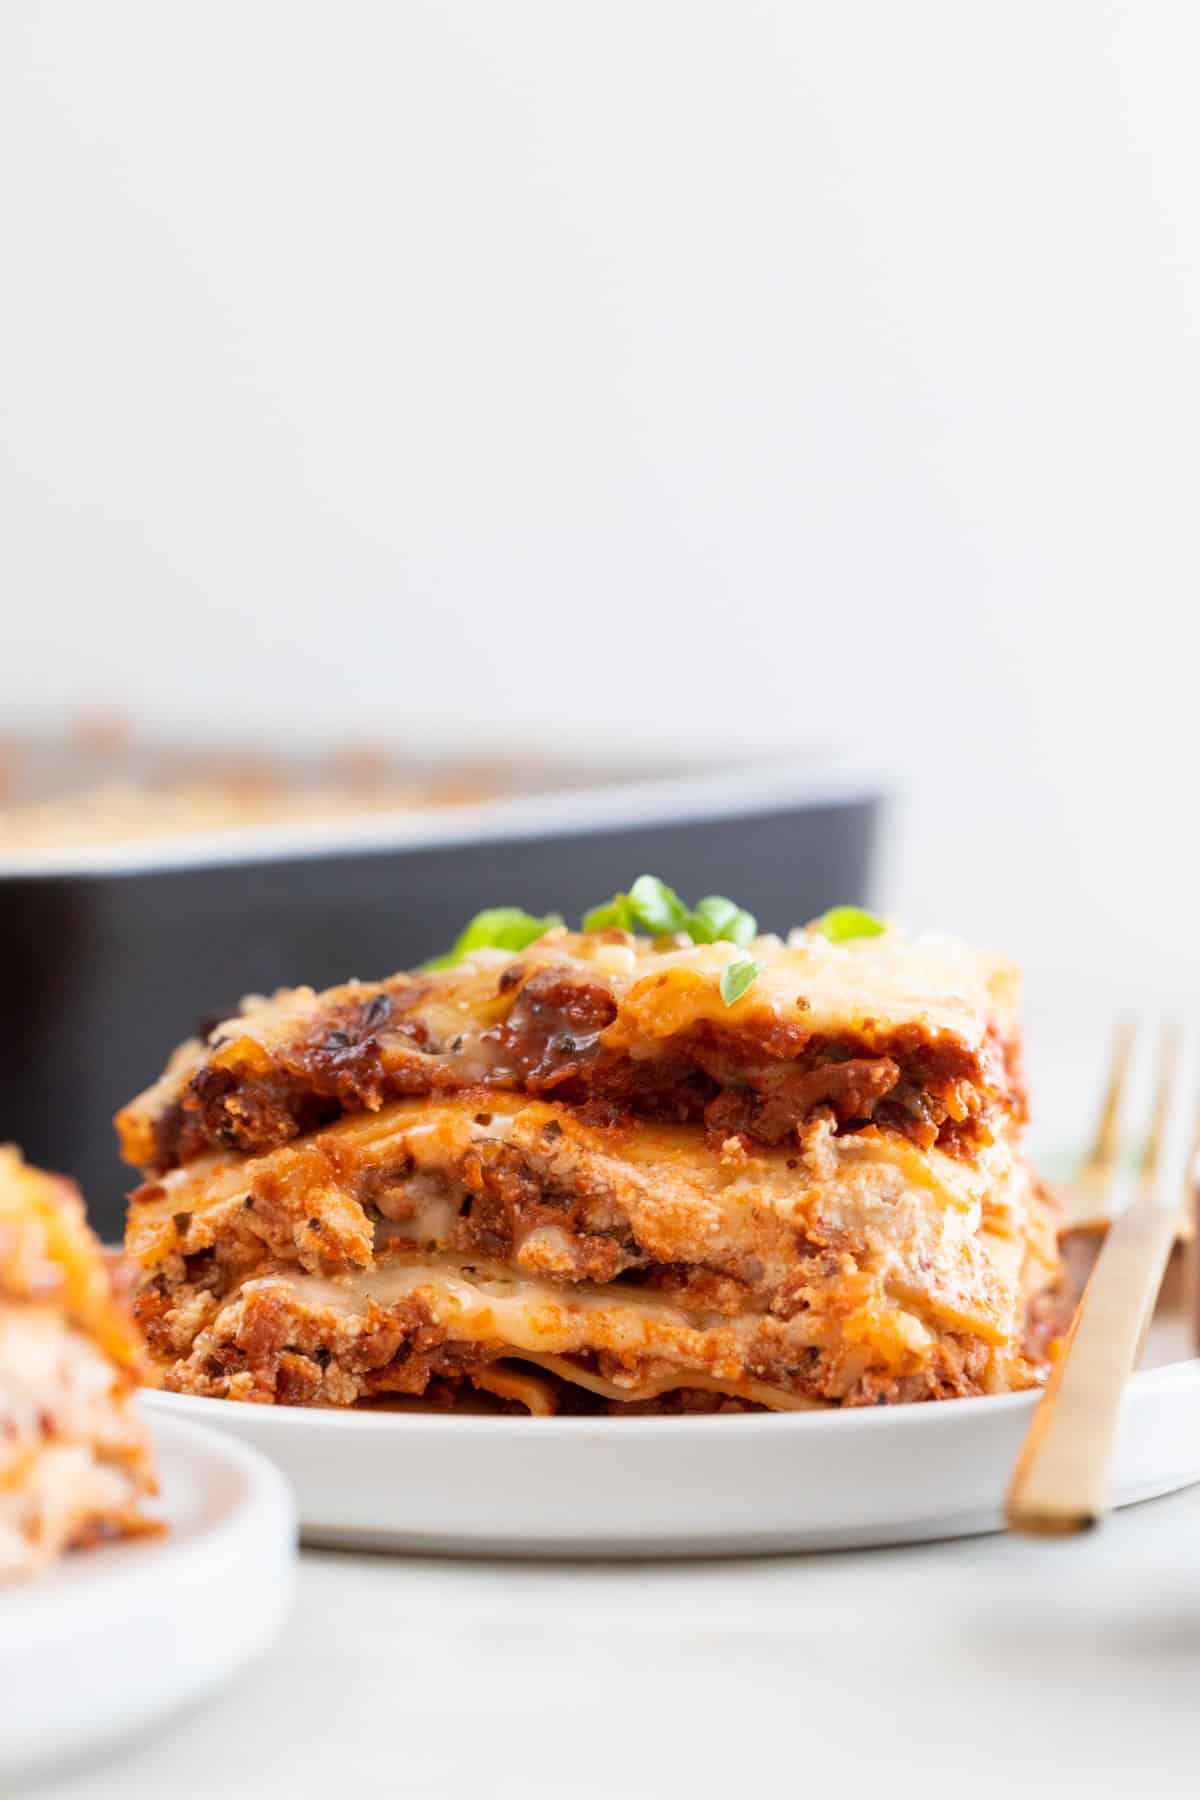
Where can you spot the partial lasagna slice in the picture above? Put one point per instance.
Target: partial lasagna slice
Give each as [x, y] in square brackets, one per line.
[510, 1244]
[915, 1035]
[74, 1460]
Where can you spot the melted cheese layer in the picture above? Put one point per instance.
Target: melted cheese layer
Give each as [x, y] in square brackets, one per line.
[435, 1030]
[911, 1217]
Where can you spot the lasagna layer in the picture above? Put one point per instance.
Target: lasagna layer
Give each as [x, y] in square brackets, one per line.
[915, 1035]
[485, 1235]
[74, 1461]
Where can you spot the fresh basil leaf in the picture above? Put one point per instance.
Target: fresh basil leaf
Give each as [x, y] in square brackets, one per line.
[616, 913]
[656, 906]
[841, 923]
[496, 928]
[709, 919]
[744, 929]
[736, 978]
[649, 906]
[714, 919]
[652, 907]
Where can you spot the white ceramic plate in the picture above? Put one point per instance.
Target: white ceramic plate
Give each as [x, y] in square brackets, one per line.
[113, 1640]
[686, 1486]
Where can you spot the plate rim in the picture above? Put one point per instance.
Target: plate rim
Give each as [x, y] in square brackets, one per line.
[907, 1416]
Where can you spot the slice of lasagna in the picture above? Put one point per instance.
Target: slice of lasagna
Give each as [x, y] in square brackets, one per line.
[598, 1173]
[74, 1460]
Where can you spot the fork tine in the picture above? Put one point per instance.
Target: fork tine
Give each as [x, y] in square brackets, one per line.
[1151, 1157]
[1100, 1163]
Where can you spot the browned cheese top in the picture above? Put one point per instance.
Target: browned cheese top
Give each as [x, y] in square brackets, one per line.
[914, 1035]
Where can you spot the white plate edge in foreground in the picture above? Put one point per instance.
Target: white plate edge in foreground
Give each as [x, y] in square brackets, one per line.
[1164, 1378]
[708, 1485]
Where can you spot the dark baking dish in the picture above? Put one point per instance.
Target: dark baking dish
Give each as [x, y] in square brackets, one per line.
[114, 954]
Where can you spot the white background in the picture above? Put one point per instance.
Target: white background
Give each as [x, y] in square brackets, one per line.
[734, 375]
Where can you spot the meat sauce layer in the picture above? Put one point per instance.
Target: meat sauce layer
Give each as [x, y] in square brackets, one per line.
[551, 1031]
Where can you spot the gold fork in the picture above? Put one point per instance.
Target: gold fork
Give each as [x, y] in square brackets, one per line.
[1060, 1483]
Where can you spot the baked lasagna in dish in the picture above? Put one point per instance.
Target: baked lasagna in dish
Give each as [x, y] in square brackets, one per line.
[609, 1170]
[74, 1460]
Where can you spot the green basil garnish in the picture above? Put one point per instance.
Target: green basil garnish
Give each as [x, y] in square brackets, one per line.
[841, 923]
[496, 928]
[649, 906]
[736, 978]
[656, 906]
[652, 907]
[715, 919]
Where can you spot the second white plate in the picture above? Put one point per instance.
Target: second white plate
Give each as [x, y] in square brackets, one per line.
[693, 1486]
[111, 1641]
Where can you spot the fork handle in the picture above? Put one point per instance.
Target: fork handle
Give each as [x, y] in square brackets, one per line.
[1060, 1483]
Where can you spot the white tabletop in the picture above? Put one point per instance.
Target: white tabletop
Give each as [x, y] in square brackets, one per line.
[1009, 1665]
